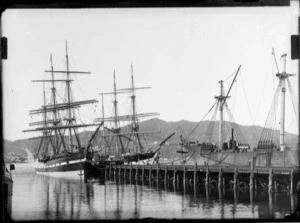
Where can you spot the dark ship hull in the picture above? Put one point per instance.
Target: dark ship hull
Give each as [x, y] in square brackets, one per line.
[138, 157]
[94, 169]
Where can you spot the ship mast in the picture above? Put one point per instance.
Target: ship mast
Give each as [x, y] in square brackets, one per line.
[133, 117]
[55, 107]
[69, 100]
[45, 114]
[54, 104]
[117, 124]
[222, 99]
[282, 78]
[115, 103]
[103, 134]
[135, 125]
[102, 111]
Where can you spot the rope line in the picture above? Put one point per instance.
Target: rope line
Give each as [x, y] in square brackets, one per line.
[201, 121]
[256, 133]
[265, 143]
[293, 98]
[211, 126]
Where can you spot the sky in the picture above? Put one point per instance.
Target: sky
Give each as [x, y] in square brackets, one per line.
[181, 53]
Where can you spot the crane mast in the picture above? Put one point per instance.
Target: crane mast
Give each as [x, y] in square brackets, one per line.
[282, 79]
[222, 99]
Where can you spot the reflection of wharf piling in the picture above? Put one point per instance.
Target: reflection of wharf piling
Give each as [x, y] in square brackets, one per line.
[238, 177]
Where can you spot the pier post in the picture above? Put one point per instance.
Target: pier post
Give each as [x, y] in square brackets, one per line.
[143, 172]
[235, 177]
[251, 176]
[207, 176]
[106, 173]
[109, 171]
[115, 171]
[275, 185]
[195, 175]
[119, 171]
[220, 177]
[174, 176]
[270, 179]
[184, 175]
[166, 174]
[136, 172]
[157, 173]
[130, 172]
[292, 181]
[150, 173]
[125, 168]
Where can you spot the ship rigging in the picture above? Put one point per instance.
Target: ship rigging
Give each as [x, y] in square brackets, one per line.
[60, 148]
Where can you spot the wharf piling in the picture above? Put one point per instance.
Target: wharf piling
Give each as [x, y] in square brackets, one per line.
[235, 180]
[157, 173]
[150, 175]
[220, 177]
[195, 174]
[292, 181]
[270, 179]
[276, 178]
[174, 176]
[166, 174]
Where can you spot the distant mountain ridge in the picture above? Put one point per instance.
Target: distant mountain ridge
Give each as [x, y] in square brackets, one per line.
[183, 127]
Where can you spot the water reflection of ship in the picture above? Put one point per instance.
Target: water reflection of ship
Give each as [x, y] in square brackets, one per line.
[66, 197]
[269, 152]
[76, 200]
[229, 203]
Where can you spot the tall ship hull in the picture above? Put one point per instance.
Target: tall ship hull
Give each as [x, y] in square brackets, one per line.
[73, 163]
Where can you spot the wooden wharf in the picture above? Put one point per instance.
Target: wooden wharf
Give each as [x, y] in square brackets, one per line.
[273, 178]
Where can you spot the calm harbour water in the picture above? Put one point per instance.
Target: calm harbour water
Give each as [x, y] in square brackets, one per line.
[37, 197]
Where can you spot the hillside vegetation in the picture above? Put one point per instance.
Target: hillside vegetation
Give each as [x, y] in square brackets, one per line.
[251, 133]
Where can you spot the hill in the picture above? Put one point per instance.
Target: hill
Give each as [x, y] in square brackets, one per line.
[183, 127]
[251, 133]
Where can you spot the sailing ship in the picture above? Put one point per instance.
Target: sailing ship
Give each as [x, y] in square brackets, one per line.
[60, 148]
[237, 151]
[126, 144]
